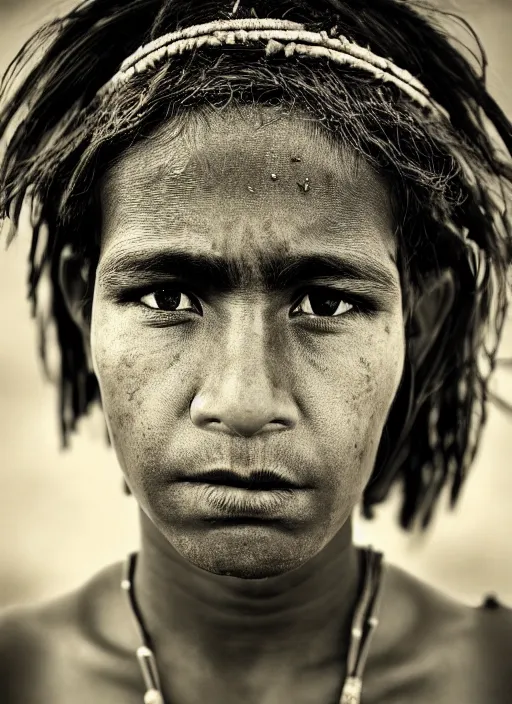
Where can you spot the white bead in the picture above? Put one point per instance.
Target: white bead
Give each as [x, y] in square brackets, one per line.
[153, 696]
[352, 691]
[144, 652]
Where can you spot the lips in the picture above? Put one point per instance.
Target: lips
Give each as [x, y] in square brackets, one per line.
[255, 480]
[232, 497]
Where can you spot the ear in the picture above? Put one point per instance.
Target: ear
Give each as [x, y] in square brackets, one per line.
[75, 283]
[429, 314]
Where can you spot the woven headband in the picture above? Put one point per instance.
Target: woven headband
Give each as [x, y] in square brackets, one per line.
[281, 36]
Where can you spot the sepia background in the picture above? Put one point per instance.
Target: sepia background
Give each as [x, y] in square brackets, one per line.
[63, 514]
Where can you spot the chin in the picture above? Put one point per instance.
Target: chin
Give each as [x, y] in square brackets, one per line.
[245, 552]
[247, 571]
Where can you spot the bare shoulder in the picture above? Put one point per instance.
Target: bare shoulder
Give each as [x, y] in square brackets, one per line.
[449, 650]
[48, 649]
[487, 623]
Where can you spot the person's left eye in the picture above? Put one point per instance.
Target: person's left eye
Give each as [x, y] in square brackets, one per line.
[169, 300]
[323, 303]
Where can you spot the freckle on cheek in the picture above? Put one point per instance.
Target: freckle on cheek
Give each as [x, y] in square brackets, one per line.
[365, 363]
[129, 362]
[131, 394]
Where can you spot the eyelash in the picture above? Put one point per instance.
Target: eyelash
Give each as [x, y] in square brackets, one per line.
[360, 305]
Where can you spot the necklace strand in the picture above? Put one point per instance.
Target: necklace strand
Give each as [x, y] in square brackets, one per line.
[363, 627]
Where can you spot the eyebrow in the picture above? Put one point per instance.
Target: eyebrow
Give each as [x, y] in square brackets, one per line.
[277, 273]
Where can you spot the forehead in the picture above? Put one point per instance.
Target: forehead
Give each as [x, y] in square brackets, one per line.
[215, 181]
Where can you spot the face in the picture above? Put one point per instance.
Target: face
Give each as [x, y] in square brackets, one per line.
[244, 321]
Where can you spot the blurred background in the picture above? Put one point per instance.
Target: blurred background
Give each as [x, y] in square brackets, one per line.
[63, 514]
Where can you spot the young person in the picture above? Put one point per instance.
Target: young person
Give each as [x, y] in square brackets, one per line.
[277, 242]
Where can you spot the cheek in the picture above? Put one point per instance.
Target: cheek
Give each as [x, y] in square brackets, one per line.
[350, 394]
[138, 375]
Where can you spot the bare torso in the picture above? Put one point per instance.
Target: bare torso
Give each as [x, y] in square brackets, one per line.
[428, 648]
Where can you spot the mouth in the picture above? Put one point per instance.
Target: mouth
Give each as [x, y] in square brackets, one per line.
[257, 480]
[243, 497]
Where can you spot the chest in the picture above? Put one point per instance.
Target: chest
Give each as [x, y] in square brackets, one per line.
[394, 688]
[448, 673]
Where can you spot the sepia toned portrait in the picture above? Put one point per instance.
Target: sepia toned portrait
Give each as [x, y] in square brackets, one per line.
[256, 360]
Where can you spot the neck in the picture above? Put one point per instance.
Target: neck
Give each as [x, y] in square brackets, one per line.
[302, 618]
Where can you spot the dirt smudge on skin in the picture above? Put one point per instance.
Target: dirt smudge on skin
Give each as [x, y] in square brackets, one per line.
[175, 359]
[365, 363]
[129, 362]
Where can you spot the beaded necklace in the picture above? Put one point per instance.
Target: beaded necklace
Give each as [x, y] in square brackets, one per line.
[363, 626]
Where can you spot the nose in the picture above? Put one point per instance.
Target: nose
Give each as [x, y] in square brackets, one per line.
[242, 392]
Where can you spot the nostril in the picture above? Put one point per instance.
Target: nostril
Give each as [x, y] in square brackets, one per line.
[243, 417]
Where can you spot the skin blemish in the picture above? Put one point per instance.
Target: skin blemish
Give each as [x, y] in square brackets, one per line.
[304, 186]
[273, 177]
[296, 159]
[387, 329]
[129, 362]
[250, 189]
[365, 363]
[316, 363]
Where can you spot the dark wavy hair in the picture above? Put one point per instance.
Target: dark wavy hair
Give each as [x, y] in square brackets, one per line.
[450, 181]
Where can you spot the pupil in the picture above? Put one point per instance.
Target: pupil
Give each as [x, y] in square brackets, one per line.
[321, 304]
[167, 300]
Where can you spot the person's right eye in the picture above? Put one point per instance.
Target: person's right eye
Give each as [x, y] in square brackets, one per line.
[170, 300]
